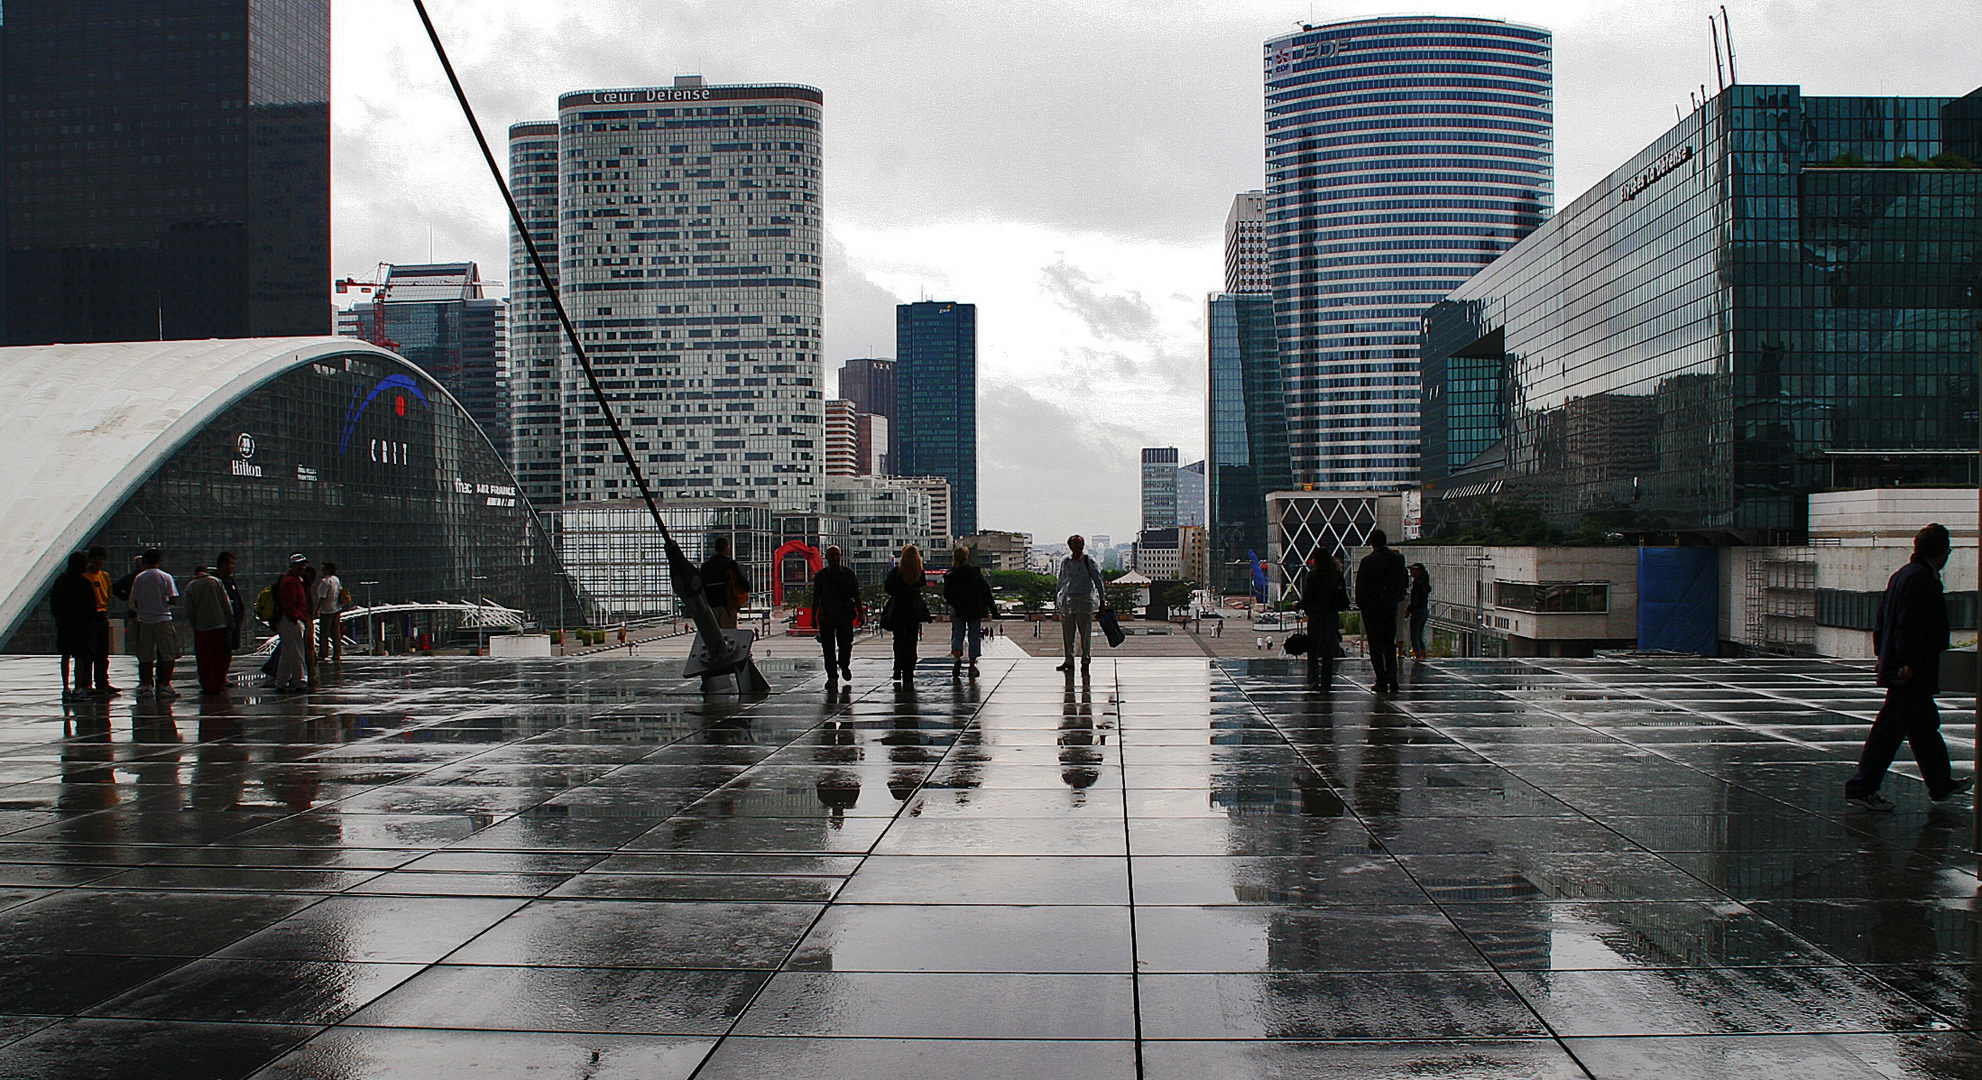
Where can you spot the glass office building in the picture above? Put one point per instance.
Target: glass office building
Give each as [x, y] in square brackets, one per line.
[688, 250]
[1245, 431]
[435, 315]
[1159, 487]
[166, 169]
[935, 422]
[614, 552]
[1402, 154]
[536, 342]
[1776, 297]
[263, 447]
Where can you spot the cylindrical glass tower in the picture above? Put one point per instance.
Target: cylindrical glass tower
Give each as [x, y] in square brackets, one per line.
[1402, 154]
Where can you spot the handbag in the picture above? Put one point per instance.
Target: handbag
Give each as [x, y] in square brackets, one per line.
[1111, 627]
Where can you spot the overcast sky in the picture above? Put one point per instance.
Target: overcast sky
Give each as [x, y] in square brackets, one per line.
[1064, 165]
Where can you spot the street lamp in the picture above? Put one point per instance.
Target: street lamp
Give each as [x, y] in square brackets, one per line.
[1480, 564]
[481, 621]
[371, 617]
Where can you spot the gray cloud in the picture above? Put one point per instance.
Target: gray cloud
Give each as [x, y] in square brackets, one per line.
[1044, 470]
[1119, 315]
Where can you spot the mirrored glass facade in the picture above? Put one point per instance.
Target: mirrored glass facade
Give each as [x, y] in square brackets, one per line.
[1402, 154]
[1245, 431]
[536, 342]
[615, 553]
[1776, 297]
[436, 316]
[934, 427]
[357, 459]
[166, 169]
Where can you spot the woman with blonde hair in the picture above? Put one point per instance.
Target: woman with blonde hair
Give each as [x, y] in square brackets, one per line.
[906, 610]
[969, 596]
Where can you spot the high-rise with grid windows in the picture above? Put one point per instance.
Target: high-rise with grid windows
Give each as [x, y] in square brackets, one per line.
[1402, 155]
[688, 246]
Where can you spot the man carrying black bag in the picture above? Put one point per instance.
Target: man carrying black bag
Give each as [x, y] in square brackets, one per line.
[1909, 635]
[1382, 581]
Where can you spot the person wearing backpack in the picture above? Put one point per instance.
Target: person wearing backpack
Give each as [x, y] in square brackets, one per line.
[969, 596]
[724, 584]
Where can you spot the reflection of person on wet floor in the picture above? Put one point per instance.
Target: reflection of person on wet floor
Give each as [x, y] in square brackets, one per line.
[1909, 635]
[969, 596]
[1083, 591]
[907, 610]
[1323, 598]
[1381, 584]
[835, 605]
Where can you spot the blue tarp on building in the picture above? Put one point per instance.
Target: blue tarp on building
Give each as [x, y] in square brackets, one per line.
[1679, 599]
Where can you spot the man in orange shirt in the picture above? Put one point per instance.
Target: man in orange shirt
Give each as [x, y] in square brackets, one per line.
[99, 659]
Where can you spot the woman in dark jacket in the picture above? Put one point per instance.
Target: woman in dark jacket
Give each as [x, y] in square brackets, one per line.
[73, 603]
[906, 610]
[1324, 596]
[1419, 609]
[969, 597]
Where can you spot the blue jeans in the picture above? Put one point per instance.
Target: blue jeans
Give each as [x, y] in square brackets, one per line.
[974, 628]
[1418, 619]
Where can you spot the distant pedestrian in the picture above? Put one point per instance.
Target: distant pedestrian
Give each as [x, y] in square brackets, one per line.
[212, 616]
[310, 657]
[330, 599]
[292, 616]
[1419, 610]
[99, 580]
[72, 601]
[1082, 593]
[724, 584]
[1909, 634]
[906, 610]
[1324, 597]
[1382, 583]
[968, 593]
[835, 607]
[223, 571]
[153, 592]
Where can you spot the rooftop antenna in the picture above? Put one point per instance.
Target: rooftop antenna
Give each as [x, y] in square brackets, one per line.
[716, 652]
[1720, 76]
[1727, 34]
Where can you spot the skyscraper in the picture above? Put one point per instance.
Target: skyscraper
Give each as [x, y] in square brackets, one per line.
[870, 385]
[1246, 266]
[935, 422]
[1190, 494]
[536, 342]
[688, 237]
[1159, 487]
[1245, 430]
[842, 441]
[167, 169]
[436, 316]
[1402, 155]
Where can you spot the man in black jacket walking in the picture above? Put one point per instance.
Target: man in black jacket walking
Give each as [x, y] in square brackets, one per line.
[1381, 585]
[835, 604]
[1909, 635]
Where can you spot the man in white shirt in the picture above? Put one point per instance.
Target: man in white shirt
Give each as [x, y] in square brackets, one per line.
[1082, 592]
[329, 605]
[153, 592]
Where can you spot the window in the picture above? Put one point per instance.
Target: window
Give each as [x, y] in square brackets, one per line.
[1554, 599]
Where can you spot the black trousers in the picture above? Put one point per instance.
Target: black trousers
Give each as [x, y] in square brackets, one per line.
[1324, 638]
[1908, 716]
[905, 649]
[836, 641]
[99, 659]
[1381, 634]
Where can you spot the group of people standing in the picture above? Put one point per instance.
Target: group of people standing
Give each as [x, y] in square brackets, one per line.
[211, 606]
[1388, 592]
[837, 605]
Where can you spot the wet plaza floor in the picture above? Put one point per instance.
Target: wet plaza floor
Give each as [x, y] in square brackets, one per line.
[1182, 868]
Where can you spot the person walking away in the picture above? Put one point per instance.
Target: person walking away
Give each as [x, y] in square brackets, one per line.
[310, 657]
[724, 583]
[835, 606]
[968, 593]
[1083, 591]
[212, 616]
[1323, 597]
[99, 580]
[223, 571]
[1419, 610]
[330, 600]
[292, 605]
[153, 592]
[72, 601]
[906, 610]
[1909, 635]
[1382, 583]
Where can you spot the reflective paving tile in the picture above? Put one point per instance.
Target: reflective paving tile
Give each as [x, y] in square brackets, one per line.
[266, 991]
[608, 933]
[918, 1059]
[1294, 1060]
[646, 1002]
[933, 1006]
[408, 1054]
[168, 1051]
[988, 879]
[1362, 1005]
[1713, 1001]
[1791, 1057]
[902, 937]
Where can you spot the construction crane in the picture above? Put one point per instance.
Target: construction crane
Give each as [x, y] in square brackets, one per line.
[381, 281]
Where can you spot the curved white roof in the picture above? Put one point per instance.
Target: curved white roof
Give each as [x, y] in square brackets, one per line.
[81, 426]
